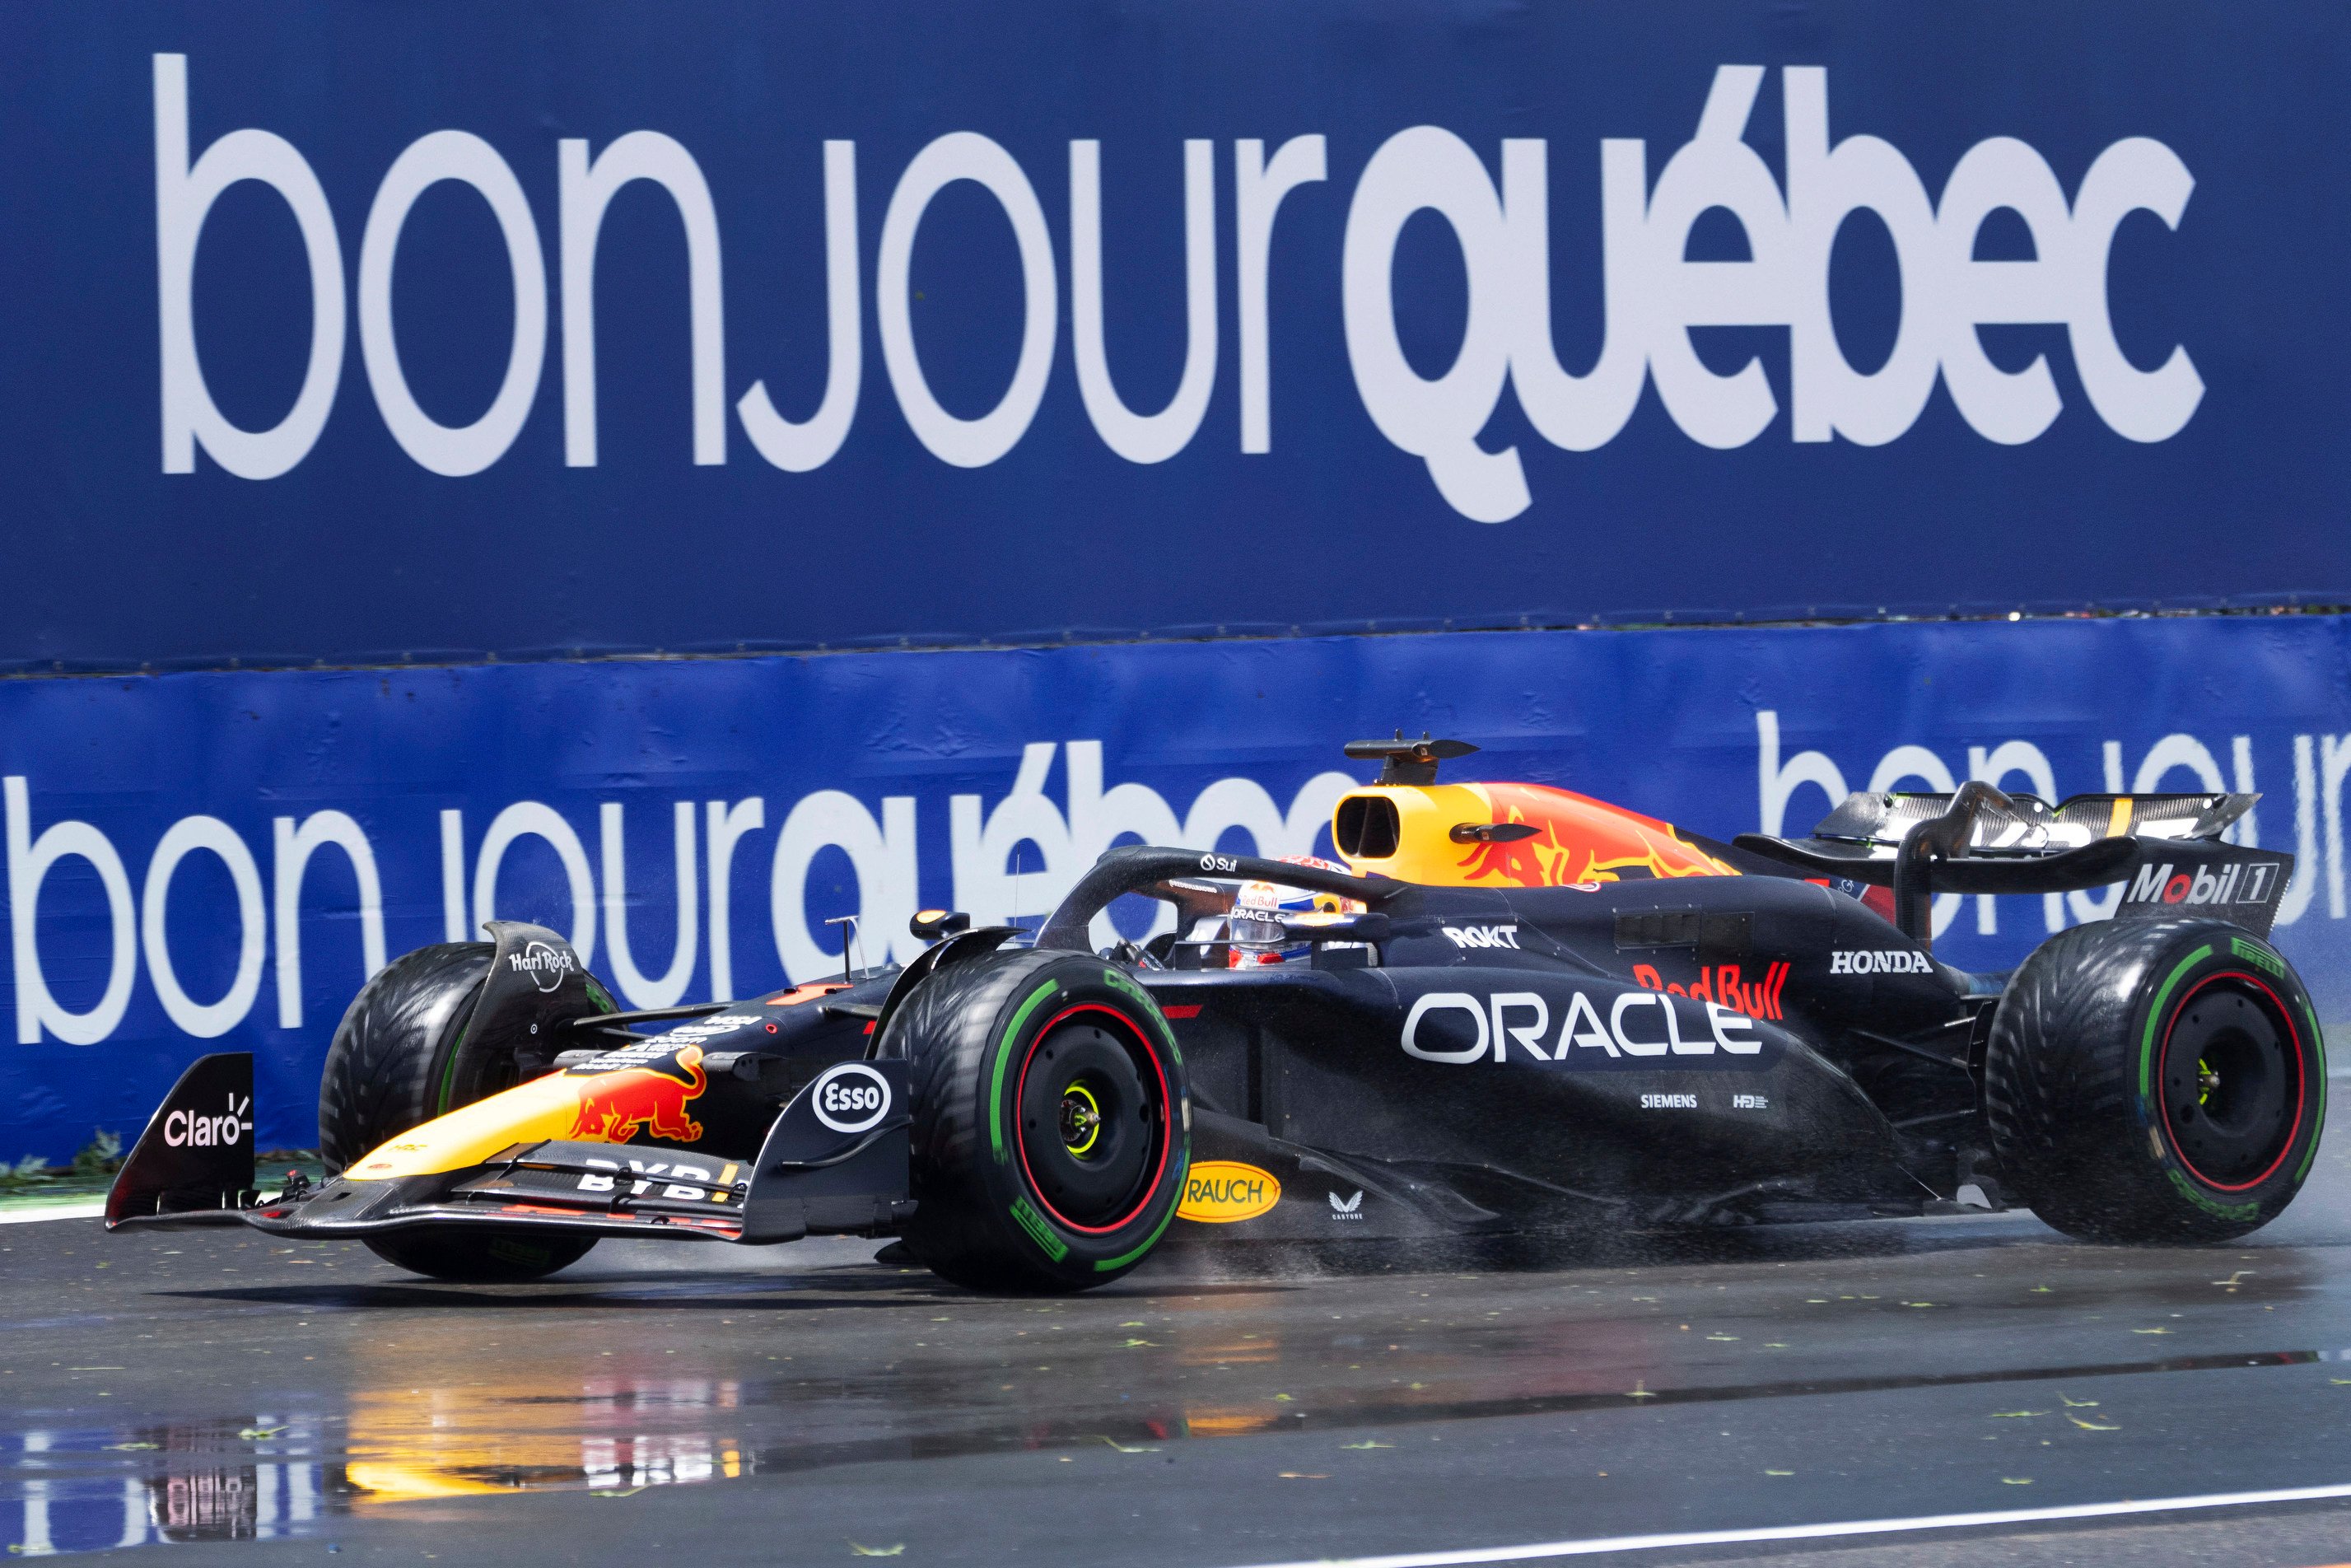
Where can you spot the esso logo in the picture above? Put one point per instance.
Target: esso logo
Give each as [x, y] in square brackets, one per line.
[850, 1097]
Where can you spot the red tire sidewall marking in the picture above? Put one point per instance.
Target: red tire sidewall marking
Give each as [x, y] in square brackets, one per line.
[2301, 1082]
[1127, 1028]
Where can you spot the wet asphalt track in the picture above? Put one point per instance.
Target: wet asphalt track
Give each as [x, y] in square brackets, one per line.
[257, 1403]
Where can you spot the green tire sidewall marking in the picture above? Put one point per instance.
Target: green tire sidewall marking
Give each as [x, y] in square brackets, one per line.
[2260, 957]
[1183, 1165]
[2318, 1122]
[2155, 1016]
[1004, 1054]
[1150, 1008]
[1029, 1220]
[449, 1072]
[2188, 1190]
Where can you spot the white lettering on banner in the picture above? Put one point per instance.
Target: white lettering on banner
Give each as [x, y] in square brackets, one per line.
[884, 854]
[725, 829]
[883, 857]
[1651, 296]
[808, 446]
[529, 818]
[30, 860]
[295, 846]
[966, 155]
[1258, 186]
[452, 875]
[205, 1020]
[183, 197]
[584, 190]
[469, 160]
[1427, 169]
[1053, 850]
[639, 989]
[1144, 438]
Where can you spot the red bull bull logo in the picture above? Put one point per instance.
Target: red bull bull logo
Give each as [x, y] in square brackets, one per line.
[1578, 840]
[613, 1106]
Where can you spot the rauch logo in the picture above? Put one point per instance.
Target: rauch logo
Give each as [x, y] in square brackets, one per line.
[1219, 1192]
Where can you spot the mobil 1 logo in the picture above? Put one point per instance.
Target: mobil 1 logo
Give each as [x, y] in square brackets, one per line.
[2236, 885]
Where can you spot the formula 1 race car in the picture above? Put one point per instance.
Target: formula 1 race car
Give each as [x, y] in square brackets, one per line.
[1513, 1008]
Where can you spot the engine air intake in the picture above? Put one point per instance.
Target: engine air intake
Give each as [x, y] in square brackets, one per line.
[1367, 828]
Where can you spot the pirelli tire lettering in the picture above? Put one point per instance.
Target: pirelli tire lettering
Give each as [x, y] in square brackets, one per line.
[1050, 1139]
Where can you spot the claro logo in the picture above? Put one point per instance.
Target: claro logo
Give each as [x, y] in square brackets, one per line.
[187, 1130]
[1456, 1028]
[1652, 294]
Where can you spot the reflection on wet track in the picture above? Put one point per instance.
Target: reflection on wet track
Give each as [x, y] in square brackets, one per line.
[224, 1388]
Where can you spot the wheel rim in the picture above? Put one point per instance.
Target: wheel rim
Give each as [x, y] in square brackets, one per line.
[2232, 1082]
[1090, 1109]
[1082, 1118]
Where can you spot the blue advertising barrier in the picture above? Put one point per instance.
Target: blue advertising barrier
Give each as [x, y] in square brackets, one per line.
[354, 334]
[214, 861]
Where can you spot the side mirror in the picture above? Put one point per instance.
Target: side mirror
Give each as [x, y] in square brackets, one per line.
[931, 924]
[1369, 927]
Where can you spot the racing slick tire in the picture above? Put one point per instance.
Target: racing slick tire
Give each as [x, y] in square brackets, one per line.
[2151, 1080]
[1051, 1124]
[399, 1058]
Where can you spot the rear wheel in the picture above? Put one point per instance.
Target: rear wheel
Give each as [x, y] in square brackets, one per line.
[403, 1055]
[2154, 1080]
[1050, 1122]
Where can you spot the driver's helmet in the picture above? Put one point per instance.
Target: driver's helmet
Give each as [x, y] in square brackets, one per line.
[1254, 928]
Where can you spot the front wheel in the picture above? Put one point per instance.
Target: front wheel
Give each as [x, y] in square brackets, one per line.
[1051, 1122]
[2155, 1081]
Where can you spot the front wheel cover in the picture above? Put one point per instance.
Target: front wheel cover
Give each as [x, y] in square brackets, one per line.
[1051, 1122]
[2157, 1080]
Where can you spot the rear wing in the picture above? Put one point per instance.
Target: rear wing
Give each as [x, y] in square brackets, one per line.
[2167, 848]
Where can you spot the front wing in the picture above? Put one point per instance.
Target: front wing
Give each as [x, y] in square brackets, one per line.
[812, 1174]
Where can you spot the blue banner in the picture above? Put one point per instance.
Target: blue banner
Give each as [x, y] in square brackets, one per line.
[360, 333]
[215, 861]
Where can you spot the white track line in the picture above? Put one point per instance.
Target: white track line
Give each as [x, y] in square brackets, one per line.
[90, 1210]
[1822, 1532]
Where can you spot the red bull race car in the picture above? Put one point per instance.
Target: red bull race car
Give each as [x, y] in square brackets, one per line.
[1511, 1008]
